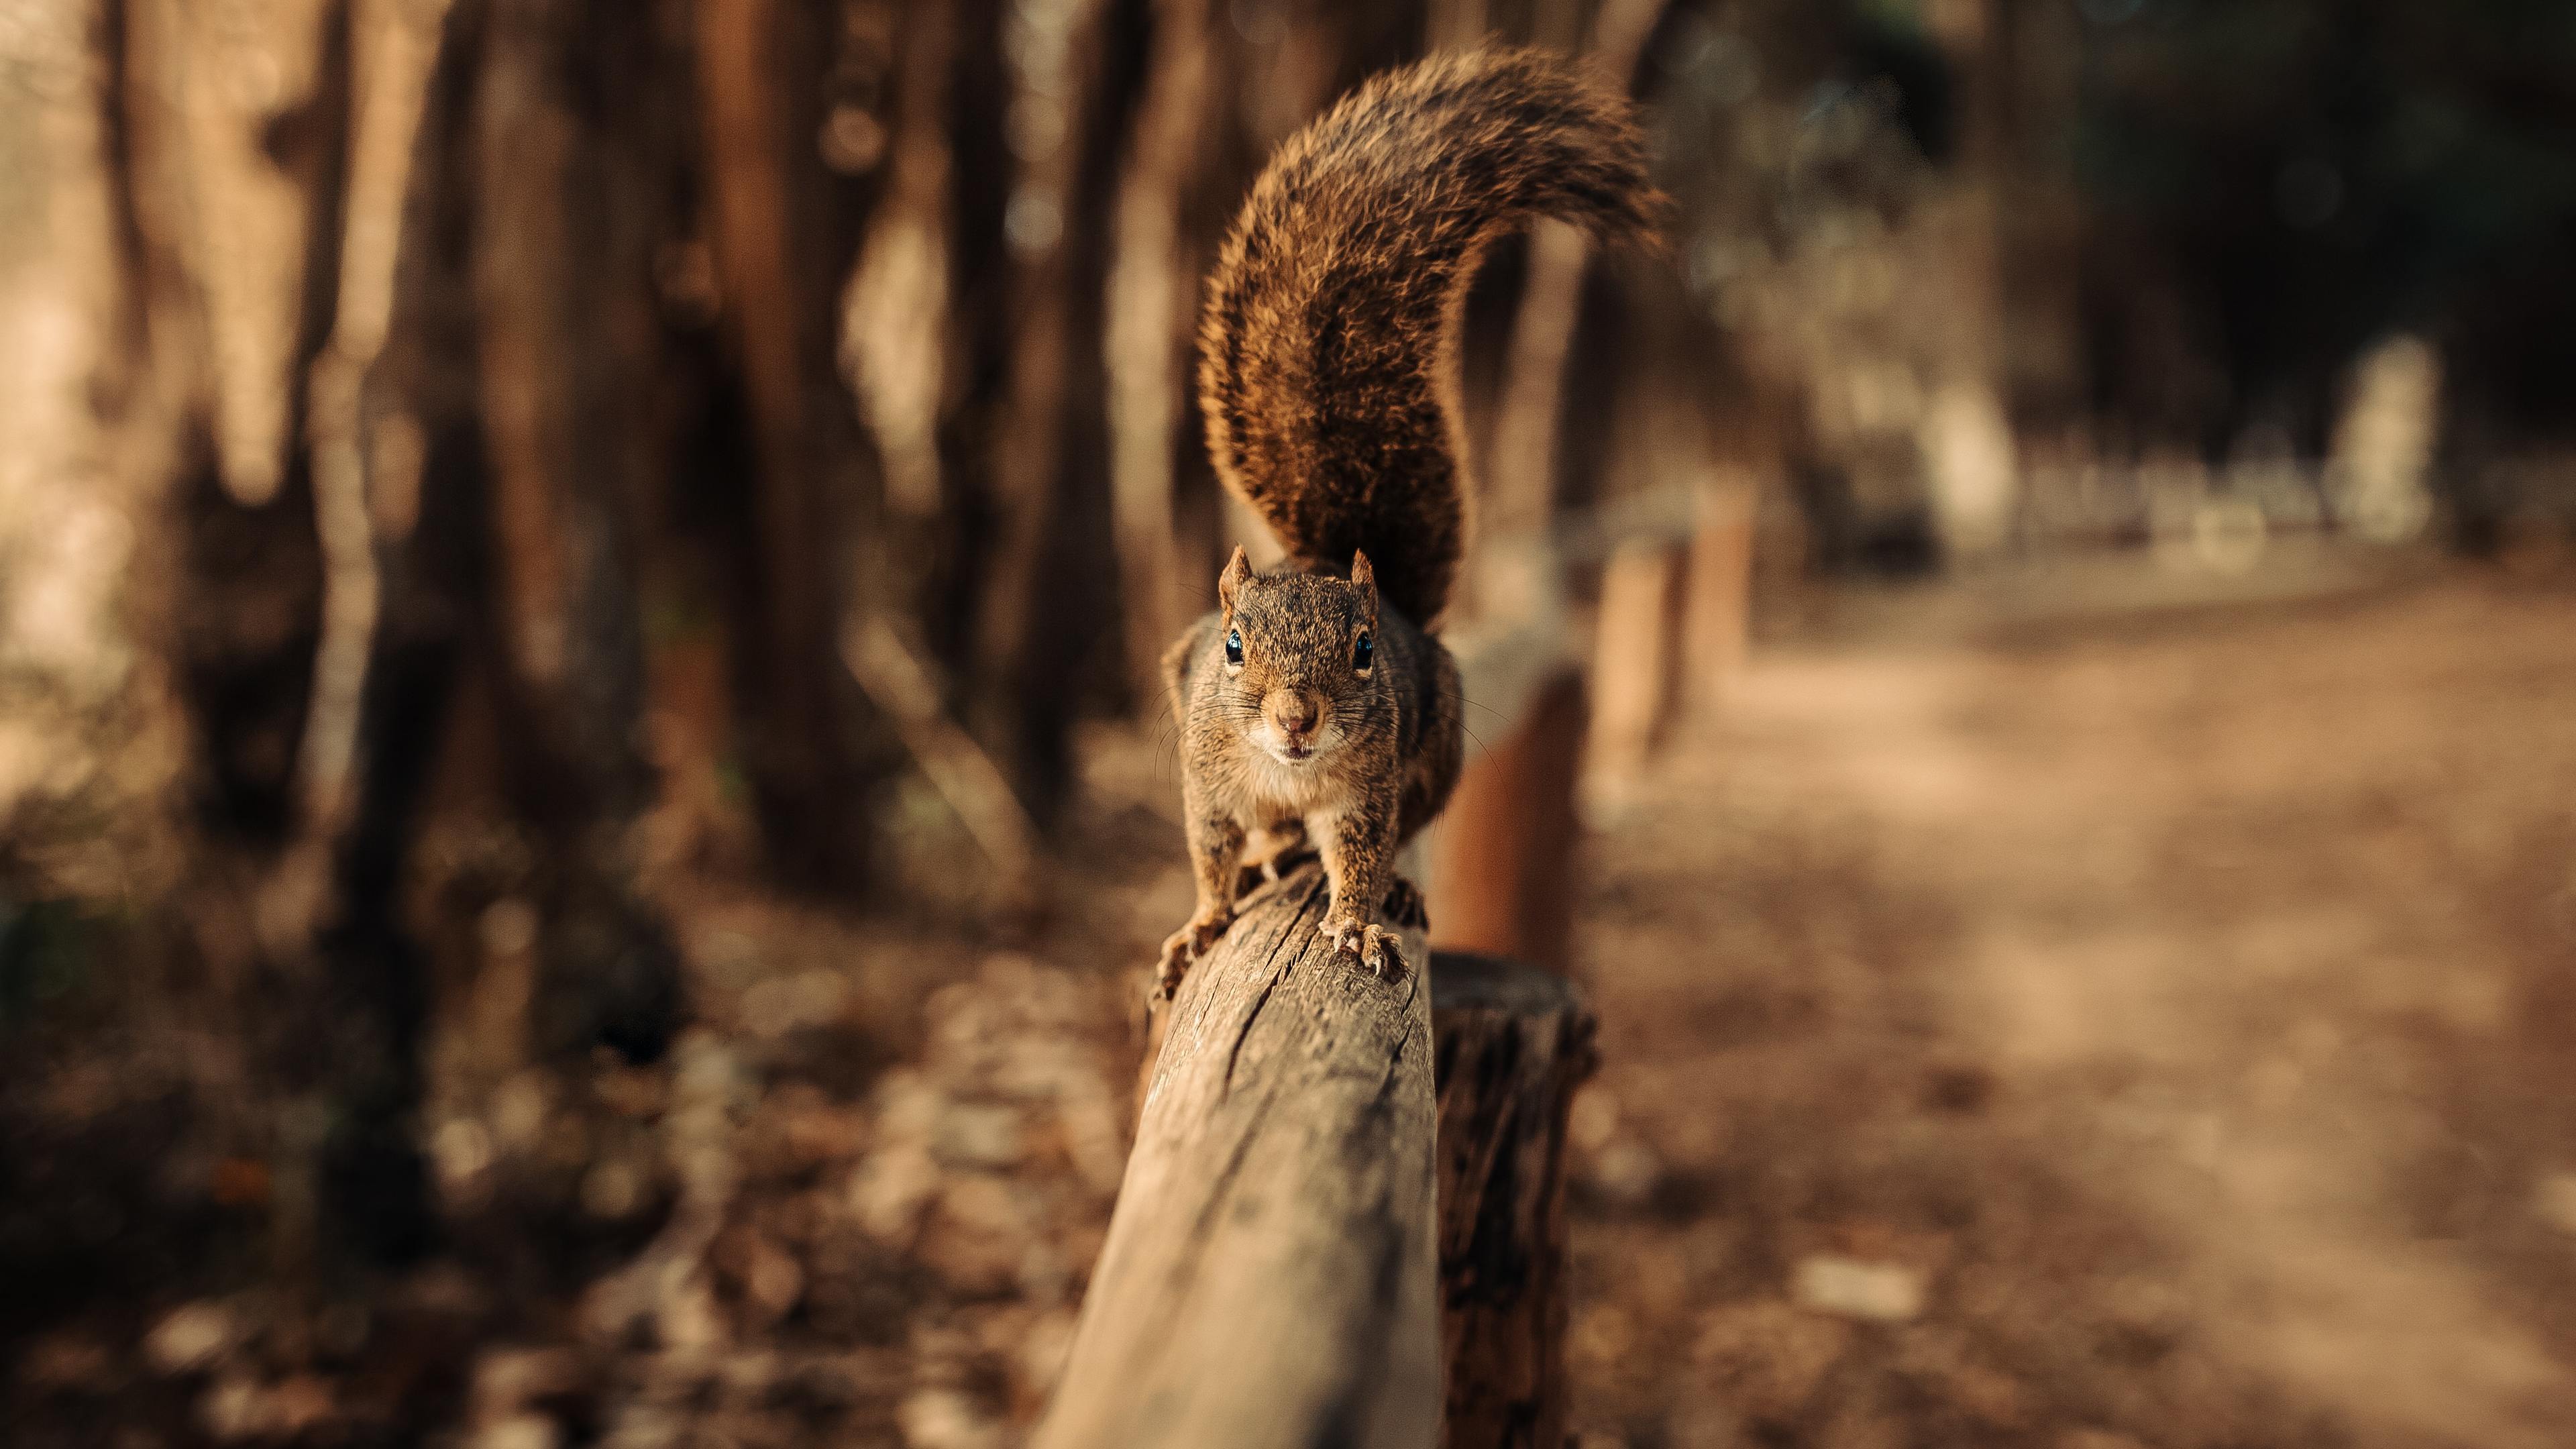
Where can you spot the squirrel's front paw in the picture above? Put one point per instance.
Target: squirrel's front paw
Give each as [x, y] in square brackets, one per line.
[1375, 946]
[1183, 949]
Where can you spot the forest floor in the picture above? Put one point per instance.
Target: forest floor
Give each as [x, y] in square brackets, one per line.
[2142, 1028]
[2136, 1028]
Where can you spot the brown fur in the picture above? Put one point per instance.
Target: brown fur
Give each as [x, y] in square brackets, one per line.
[1387, 743]
[1330, 348]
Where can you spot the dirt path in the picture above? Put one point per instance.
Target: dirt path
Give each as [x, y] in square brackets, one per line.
[2187, 1002]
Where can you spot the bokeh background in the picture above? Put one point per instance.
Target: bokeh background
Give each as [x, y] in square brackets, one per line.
[582, 815]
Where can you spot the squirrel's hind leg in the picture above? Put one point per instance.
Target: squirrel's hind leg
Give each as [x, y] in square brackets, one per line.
[1405, 906]
[1288, 849]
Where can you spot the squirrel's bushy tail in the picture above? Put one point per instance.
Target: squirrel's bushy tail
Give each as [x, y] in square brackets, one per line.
[1329, 350]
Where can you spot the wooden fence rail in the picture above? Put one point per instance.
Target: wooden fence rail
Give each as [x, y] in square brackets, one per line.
[1270, 1272]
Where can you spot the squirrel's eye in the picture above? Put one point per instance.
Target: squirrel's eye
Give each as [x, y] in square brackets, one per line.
[1362, 652]
[1234, 646]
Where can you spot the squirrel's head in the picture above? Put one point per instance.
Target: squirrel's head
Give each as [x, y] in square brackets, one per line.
[1300, 656]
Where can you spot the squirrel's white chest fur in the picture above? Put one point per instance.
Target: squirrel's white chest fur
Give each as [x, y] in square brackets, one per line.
[1279, 788]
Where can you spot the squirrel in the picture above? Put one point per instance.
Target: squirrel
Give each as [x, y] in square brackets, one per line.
[1315, 702]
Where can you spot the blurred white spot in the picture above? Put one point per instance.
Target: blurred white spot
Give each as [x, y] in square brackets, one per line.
[2383, 444]
[979, 1136]
[1968, 444]
[2228, 535]
[1034, 222]
[1851, 1288]
[776, 1280]
[1628, 1172]
[521, 1431]
[462, 1149]
[191, 1338]
[688, 1319]
[65, 591]
[232, 1410]
[519, 1111]
[946, 1419]
[889, 1190]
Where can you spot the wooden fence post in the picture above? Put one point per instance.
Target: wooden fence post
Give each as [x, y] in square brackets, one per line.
[1716, 629]
[1502, 854]
[1636, 660]
[1512, 1044]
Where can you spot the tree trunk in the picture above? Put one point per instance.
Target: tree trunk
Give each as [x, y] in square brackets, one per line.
[1521, 493]
[760, 69]
[1041, 583]
[89, 744]
[562, 256]
[1148, 340]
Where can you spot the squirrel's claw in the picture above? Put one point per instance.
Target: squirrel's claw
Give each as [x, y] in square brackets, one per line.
[1373, 946]
[1384, 954]
[1347, 935]
[1183, 948]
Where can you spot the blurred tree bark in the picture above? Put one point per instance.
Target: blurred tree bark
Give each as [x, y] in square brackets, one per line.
[457, 443]
[366, 391]
[88, 743]
[1045, 578]
[1520, 491]
[792, 99]
[1147, 343]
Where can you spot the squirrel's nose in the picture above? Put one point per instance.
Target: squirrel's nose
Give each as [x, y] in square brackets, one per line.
[1294, 711]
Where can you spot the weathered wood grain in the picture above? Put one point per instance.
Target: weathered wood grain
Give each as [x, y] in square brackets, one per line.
[1512, 1042]
[1269, 1277]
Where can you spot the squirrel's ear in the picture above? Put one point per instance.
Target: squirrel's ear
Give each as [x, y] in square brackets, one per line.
[1237, 569]
[1361, 573]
